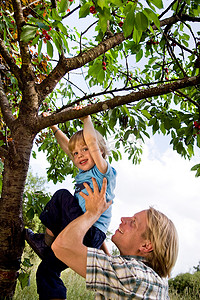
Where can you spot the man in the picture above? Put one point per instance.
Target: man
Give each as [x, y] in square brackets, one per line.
[148, 246]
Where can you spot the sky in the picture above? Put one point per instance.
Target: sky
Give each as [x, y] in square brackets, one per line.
[163, 180]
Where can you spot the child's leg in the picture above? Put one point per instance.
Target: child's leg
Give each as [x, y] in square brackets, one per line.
[60, 211]
[49, 283]
[94, 238]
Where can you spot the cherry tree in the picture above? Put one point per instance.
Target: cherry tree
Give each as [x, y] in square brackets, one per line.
[133, 65]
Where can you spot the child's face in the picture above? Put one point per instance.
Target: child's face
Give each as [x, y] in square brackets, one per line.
[82, 157]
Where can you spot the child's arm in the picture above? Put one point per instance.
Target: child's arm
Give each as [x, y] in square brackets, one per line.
[105, 248]
[92, 144]
[61, 138]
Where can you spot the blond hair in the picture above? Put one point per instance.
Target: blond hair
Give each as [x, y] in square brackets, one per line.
[164, 239]
[79, 137]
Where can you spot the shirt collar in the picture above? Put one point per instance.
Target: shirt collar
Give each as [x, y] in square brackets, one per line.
[140, 258]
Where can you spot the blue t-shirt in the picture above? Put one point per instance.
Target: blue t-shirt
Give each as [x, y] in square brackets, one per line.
[86, 176]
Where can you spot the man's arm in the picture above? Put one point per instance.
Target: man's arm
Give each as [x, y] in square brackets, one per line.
[91, 141]
[68, 246]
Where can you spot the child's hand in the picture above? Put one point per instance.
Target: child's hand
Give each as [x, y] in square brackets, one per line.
[78, 107]
[53, 127]
[45, 114]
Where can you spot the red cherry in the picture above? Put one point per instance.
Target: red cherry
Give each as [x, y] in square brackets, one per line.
[47, 36]
[196, 124]
[44, 32]
[49, 28]
[121, 24]
[103, 63]
[104, 68]
[167, 78]
[93, 10]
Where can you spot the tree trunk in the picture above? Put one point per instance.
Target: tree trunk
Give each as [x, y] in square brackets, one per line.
[11, 222]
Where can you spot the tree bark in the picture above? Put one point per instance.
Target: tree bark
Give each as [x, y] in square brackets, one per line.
[11, 222]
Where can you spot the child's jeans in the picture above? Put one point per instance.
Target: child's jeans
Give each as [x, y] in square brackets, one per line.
[58, 213]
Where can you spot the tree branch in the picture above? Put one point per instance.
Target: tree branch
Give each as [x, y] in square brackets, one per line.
[70, 113]
[67, 64]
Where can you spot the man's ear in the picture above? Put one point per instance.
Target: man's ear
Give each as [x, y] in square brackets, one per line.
[146, 247]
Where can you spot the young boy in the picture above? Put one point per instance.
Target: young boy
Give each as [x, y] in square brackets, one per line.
[88, 151]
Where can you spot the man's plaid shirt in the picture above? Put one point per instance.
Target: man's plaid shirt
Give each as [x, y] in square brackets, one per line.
[123, 277]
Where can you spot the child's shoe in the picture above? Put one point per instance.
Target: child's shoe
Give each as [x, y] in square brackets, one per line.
[36, 241]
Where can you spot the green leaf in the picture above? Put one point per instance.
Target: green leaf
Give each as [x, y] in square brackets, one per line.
[155, 127]
[62, 28]
[55, 15]
[101, 3]
[49, 49]
[28, 33]
[101, 76]
[84, 10]
[115, 155]
[198, 140]
[167, 124]
[127, 133]
[30, 214]
[195, 167]
[35, 40]
[58, 43]
[152, 17]
[157, 3]
[65, 44]
[141, 21]
[129, 23]
[103, 22]
[24, 279]
[39, 47]
[64, 5]
[146, 114]
[118, 3]
[42, 26]
[139, 55]
[137, 34]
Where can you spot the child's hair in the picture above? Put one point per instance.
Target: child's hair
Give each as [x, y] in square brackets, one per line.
[78, 136]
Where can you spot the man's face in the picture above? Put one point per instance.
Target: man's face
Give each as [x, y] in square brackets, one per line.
[82, 157]
[128, 237]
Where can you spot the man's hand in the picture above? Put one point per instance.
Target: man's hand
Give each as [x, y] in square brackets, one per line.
[68, 246]
[95, 201]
